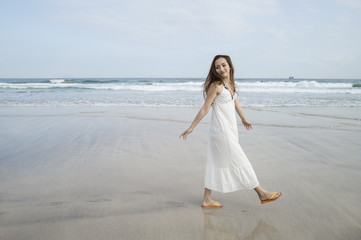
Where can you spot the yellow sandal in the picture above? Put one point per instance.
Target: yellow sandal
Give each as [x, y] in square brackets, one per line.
[271, 198]
[213, 205]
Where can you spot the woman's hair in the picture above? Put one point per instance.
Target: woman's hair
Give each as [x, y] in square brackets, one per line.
[213, 76]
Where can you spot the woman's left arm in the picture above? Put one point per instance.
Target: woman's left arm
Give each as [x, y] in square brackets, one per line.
[246, 124]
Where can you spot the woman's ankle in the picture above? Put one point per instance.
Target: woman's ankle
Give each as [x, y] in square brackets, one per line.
[260, 191]
[207, 200]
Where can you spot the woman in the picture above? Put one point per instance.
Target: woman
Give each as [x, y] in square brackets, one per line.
[227, 168]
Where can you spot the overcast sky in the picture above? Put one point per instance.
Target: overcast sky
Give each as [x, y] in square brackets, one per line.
[179, 38]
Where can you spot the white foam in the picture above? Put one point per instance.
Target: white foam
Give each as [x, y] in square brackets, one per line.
[57, 81]
[297, 87]
[104, 104]
[121, 86]
[301, 84]
[259, 86]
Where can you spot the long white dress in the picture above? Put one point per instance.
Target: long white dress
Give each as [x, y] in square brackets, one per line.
[227, 167]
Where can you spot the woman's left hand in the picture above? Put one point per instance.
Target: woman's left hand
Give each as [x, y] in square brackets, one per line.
[185, 133]
[247, 124]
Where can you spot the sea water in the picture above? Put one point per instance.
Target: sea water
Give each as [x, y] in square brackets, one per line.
[175, 92]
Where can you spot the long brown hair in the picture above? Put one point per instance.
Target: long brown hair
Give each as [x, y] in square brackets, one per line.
[213, 76]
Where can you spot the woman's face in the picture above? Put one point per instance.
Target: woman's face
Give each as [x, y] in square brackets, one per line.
[222, 67]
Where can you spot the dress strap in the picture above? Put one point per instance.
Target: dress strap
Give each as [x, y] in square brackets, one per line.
[227, 89]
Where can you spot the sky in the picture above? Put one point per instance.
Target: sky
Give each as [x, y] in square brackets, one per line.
[179, 38]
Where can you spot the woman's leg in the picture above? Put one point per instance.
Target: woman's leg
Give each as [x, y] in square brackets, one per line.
[207, 200]
[207, 195]
[263, 194]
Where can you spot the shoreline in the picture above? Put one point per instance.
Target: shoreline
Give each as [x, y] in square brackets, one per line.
[342, 118]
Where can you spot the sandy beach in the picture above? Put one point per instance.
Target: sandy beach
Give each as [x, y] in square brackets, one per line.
[123, 173]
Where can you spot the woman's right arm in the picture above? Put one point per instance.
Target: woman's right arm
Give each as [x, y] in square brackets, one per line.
[212, 93]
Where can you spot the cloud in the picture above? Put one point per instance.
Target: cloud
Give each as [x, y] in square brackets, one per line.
[162, 36]
[157, 19]
[350, 3]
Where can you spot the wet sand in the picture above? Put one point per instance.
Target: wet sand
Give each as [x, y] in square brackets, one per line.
[122, 173]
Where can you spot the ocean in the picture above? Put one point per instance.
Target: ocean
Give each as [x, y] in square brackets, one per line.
[252, 92]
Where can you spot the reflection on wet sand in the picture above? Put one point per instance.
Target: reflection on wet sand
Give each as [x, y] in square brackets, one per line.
[218, 225]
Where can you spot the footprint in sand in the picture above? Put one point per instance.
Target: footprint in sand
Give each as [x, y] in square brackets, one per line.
[173, 204]
[50, 204]
[141, 192]
[98, 200]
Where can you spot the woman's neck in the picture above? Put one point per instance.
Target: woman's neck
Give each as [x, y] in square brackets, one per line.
[226, 80]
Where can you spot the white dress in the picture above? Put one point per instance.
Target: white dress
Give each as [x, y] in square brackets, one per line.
[227, 167]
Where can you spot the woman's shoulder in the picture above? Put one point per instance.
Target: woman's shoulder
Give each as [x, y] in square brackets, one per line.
[216, 86]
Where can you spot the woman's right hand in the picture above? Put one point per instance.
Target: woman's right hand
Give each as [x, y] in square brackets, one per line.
[185, 133]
